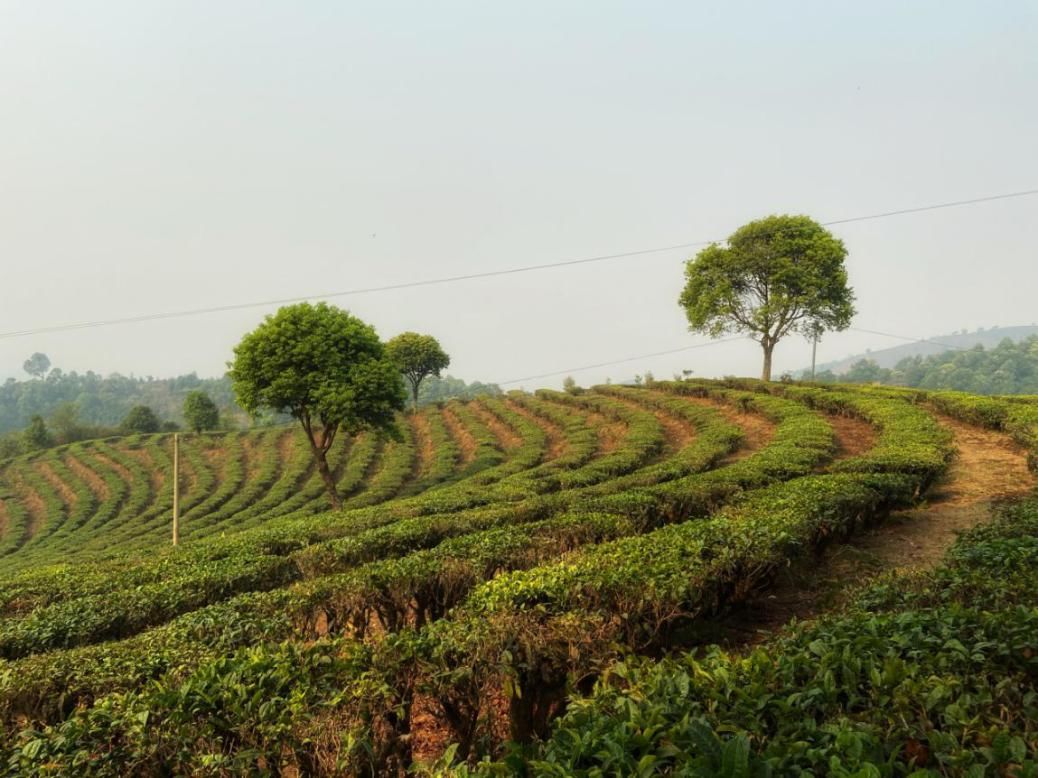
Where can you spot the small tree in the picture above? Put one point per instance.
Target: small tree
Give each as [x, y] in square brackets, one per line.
[417, 356]
[64, 421]
[323, 366]
[36, 435]
[775, 276]
[37, 365]
[200, 412]
[140, 419]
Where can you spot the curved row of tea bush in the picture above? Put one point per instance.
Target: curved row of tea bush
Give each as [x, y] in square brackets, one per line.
[457, 661]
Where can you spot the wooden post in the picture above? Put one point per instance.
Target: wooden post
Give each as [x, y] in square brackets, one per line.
[176, 488]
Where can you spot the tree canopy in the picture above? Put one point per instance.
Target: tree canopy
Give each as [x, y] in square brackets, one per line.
[37, 365]
[1008, 368]
[774, 276]
[200, 412]
[324, 367]
[141, 419]
[417, 356]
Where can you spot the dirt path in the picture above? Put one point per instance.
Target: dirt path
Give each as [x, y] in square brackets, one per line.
[506, 436]
[423, 443]
[853, 436]
[119, 469]
[677, 432]
[757, 430]
[988, 467]
[462, 436]
[557, 444]
[34, 506]
[64, 491]
[95, 482]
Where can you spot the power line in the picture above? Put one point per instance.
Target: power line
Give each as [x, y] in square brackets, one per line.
[712, 343]
[906, 337]
[469, 276]
[620, 361]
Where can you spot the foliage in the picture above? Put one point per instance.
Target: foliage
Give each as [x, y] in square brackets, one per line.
[140, 419]
[200, 412]
[37, 365]
[924, 676]
[103, 401]
[36, 435]
[775, 276]
[323, 366]
[440, 389]
[1008, 368]
[478, 579]
[417, 357]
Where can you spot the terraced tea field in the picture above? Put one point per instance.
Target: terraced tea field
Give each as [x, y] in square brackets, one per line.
[489, 564]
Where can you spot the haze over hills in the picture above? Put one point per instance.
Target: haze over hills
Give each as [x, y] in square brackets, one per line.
[889, 357]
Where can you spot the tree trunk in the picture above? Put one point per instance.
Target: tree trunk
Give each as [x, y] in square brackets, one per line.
[414, 395]
[768, 345]
[328, 478]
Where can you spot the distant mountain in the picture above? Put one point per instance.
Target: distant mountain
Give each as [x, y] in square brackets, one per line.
[889, 357]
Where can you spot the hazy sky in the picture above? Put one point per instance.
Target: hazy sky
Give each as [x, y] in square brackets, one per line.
[162, 156]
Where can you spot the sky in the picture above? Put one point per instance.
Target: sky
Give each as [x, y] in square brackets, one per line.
[162, 156]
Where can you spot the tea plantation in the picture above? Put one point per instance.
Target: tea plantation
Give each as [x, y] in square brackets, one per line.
[511, 588]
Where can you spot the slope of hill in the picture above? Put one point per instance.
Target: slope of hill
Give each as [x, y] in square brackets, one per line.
[501, 558]
[889, 357]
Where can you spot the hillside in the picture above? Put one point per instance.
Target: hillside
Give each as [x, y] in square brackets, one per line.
[499, 558]
[889, 357]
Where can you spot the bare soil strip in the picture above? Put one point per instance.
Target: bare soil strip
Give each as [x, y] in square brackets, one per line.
[757, 430]
[557, 444]
[34, 505]
[677, 432]
[95, 482]
[988, 468]
[506, 436]
[611, 432]
[121, 471]
[65, 492]
[854, 436]
[157, 476]
[461, 435]
[250, 457]
[423, 443]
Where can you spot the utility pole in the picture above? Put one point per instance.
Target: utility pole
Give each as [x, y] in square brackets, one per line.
[176, 488]
[814, 353]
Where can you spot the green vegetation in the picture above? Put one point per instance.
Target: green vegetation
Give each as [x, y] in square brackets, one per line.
[325, 368]
[200, 412]
[496, 559]
[1008, 368]
[931, 674]
[417, 357]
[774, 276]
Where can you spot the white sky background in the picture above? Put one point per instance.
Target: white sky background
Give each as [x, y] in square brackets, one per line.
[161, 156]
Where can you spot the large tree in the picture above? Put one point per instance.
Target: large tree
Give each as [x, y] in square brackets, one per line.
[417, 357]
[326, 368]
[774, 276]
[200, 412]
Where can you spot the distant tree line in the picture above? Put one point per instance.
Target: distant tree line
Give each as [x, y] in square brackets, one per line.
[1008, 368]
[105, 401]
[54, 408]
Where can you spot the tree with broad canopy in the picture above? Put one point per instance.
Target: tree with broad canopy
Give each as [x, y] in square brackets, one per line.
[774, 276]
[326, 368]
